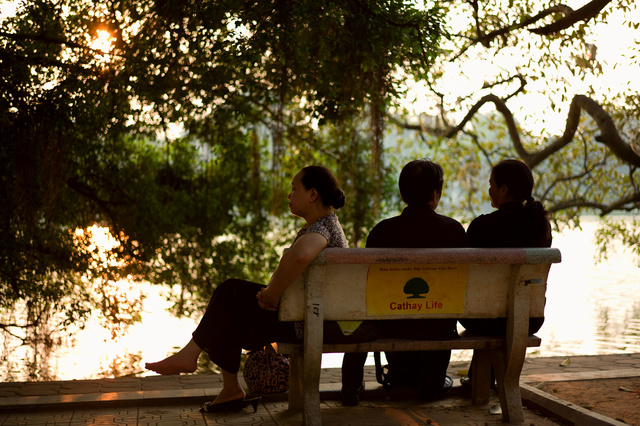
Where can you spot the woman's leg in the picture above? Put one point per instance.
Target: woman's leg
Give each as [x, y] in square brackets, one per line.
[233, 320]
[231, 388]
[217, 332]
[185, 361]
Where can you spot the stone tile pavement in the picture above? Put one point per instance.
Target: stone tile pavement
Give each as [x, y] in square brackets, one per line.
[175, 400]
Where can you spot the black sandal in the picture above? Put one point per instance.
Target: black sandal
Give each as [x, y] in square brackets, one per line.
[232, 405]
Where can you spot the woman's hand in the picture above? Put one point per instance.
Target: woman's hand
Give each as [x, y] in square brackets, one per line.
[267, 301]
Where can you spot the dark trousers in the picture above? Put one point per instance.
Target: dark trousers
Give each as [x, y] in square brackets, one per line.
[431, 365]
[234, 321]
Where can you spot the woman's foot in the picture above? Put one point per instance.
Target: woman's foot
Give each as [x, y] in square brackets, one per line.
[172, 365]
[185, 361]
[231, 405]
[226, 395]
[231, 388]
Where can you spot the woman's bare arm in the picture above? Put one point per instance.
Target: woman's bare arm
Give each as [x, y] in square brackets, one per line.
[293, 263]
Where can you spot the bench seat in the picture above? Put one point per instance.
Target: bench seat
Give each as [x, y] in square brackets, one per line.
[466, 341]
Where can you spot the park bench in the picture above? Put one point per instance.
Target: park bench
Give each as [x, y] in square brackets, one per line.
[388, 284]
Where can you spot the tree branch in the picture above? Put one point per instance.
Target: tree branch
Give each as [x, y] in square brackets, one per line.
[44, 39]
[631, 202]
[47, 62]
[6, 328]
[518, 76]
[570, 17]
[585, 13]
[486, 39]
[609, 134]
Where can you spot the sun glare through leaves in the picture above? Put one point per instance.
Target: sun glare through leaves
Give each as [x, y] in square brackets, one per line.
[120, 298]
[103, 41]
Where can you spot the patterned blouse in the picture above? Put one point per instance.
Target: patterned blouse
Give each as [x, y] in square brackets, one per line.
[329, 227]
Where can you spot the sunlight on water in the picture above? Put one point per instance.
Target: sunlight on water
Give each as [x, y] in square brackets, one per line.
[96, 355]
[592, 308]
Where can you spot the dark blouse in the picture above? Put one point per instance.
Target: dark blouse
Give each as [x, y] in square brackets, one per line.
[417, 227]
[509, 226]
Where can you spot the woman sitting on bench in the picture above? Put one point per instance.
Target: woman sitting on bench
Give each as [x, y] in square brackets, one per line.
[519, 221]
[243, 314]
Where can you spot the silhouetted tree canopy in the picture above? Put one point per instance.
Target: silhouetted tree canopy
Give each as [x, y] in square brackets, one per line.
[180, 134]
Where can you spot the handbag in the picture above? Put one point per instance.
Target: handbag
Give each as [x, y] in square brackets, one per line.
[266, 371]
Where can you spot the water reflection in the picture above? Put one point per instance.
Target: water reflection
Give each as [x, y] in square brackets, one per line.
[619, 333]
[592, 308]
[590, 305]
[93, 352]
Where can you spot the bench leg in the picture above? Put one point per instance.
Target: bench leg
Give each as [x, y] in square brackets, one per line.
[312, 347]
[508, 380]
[296, 378]
[311, 388]
[509, 360]
[481, 380]
[304, 386]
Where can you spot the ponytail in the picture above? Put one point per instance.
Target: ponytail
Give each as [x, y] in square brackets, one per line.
[538, 217]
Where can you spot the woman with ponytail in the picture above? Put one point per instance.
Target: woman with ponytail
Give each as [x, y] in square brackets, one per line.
[519, 221]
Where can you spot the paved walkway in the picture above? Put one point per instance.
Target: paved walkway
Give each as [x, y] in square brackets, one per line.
[175, 400]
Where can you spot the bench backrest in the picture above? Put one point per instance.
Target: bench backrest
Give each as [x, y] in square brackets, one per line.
[480, 283]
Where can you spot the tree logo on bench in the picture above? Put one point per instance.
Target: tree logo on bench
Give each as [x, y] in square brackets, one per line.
[416, 286]
[402, 289]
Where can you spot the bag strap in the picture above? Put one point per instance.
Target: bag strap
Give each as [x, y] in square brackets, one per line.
[379, 372]
[383, 378]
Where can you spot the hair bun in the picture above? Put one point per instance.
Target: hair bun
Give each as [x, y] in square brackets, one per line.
[322, 180]
[338, 198]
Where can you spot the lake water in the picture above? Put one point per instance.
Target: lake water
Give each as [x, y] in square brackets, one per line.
[592, 308]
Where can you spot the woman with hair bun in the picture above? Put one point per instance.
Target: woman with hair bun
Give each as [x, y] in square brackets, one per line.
[243, 314]
[519, 221]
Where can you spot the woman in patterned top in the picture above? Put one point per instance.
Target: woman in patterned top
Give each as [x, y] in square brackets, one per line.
[243, 314]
